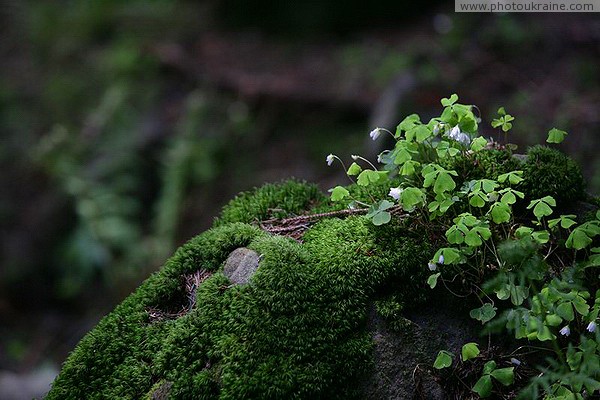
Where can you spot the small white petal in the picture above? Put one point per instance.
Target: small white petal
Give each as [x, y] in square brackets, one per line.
[395, 193]
[515, 361]
[375, 133]
[592, 327]
[565, 331]
[432, 266]
[441, 259]
[464, 139]
[454, 133]
[330, 159]
[354, 157]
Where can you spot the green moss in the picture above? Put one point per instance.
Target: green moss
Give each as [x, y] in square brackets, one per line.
[484, 164]
[297, 331]
[117, 359]
[280, 200]
[548, 172]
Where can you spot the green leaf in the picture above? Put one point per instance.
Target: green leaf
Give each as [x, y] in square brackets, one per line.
[411, 197]
[541, 237]
[556, 136]
[469, 350]
[408, 168]
[541, 210]
[478, 143]
[553, 320]
[541, 207]
[384, 205]
[448, 102]
[354, 169]
[422, 133]
[369, 176]
[578, 239]
[549, 200]
[455, 235]
[407, 123]
[483, 387]
[451, 255]
[484, 313]
[508, 198]
[518, 294]
[503, 293]
[565, 311]
[402, 156]
[444, 182]
[501, 111]
[473, 239]
[477, 199]
[513, 177]
[566, 221]
[432, 280]
[443, 360]
[505, 376]
[500, 212]
[338, 193]
[523, 231]
[488, 367]
[381, 218]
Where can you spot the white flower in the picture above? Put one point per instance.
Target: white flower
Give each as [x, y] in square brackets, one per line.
[592, 327]
[460, 137]
[432, 266]
[395, 193]
[565, 331]
[515, 361]
[354, 157]
[330, 159]
[454, 133]
[464, 139]
[375, 133]
[437, 128]
[441, 259]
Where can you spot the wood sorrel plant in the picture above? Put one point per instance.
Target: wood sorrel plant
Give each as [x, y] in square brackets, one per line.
[527, 271]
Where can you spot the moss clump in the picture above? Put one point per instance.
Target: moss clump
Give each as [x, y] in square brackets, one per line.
[548, 172]
[271, 201]
[297, 331]
[484, 164]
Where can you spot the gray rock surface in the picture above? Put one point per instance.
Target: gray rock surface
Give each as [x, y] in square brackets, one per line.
[32, 385]
[241, 264]
[403, 357]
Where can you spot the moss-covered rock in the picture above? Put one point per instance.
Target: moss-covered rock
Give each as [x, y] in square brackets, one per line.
[298, 330]
[321, 317]
[489, 163]
[548, 172]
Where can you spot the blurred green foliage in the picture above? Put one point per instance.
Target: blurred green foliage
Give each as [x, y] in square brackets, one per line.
[92, 116]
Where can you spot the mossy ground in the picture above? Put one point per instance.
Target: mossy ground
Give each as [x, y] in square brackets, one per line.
[298, 330]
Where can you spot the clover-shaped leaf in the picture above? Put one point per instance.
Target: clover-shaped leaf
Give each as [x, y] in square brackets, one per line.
[338, 193]
[443, 360]
[556, 136]
[354, 169]
[484, 313]
[542, 207]
[469, 351]
[448, 102]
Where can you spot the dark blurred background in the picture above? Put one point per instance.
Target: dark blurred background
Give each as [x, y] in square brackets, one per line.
[126, 126]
